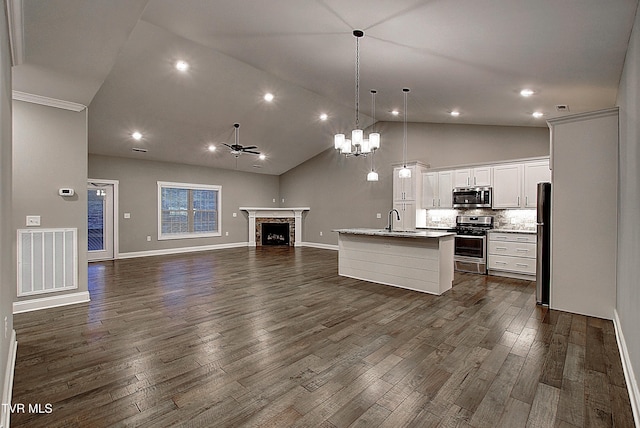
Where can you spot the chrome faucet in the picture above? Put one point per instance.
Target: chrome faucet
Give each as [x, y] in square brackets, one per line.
[390, 226]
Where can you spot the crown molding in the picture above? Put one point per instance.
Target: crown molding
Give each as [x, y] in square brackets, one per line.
[46, 101]
[16, 30]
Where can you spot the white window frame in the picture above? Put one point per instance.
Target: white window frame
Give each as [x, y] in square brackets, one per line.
[189, 186]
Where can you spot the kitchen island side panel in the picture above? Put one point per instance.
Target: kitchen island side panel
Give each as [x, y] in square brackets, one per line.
[424, 265]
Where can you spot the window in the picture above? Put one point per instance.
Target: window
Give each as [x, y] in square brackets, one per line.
[188, 210]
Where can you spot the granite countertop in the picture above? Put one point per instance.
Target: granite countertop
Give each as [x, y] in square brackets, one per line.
[529, 231]
[396, 234]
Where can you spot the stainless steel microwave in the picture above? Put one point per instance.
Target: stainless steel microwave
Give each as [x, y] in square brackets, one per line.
[472, 197]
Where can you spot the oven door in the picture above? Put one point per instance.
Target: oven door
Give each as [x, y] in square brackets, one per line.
[470, 246]
[470, 254]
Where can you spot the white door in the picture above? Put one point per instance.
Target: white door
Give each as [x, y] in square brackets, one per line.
[100, 221]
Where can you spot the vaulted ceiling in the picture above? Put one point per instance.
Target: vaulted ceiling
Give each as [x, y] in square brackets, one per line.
[118, 58]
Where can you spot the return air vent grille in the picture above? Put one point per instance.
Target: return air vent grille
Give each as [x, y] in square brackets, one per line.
[47, 260]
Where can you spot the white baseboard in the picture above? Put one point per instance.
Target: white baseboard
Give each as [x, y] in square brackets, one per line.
[319, 245]
[629, 375]
[181, 250]
[50, 302]
[7, 388]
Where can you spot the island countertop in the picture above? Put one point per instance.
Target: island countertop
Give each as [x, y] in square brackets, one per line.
[416, 234]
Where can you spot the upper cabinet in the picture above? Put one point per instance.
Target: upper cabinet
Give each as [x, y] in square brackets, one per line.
[507, 185]
[534, 173]
[516, 185]
[436, 189]
[479, 176]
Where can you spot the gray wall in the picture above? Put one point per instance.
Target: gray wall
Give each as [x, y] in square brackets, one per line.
[628, 271]
[7, 235]
[336, 190]
[138, 196]
[50, 152]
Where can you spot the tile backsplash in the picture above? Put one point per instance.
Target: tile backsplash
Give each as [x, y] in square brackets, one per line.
[503, 219]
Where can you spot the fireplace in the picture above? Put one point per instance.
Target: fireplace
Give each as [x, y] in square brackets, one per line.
[292, 217]
[275, 234]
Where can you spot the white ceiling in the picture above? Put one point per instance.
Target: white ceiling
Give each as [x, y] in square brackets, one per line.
[118, 58]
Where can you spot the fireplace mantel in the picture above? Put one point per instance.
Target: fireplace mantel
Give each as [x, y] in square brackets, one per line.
[258, 212]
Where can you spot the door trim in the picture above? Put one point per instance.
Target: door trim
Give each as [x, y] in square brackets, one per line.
[116, 211]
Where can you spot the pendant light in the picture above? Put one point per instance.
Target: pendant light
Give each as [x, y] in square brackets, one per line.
[405, 172]
[357, 145]
[374, 138]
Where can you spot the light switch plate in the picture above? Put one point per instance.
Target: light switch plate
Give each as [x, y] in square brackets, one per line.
[235, 214]
[33, 220]
[378, 215]
[127, 215]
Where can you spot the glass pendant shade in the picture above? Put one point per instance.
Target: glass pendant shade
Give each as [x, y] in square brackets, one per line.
[374, 141]
[372, 176]
[346, 148]
[356, 137]
[338, 141]
[405, 172]
[365, 147]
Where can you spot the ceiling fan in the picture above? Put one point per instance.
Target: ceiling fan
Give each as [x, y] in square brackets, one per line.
[237, 149]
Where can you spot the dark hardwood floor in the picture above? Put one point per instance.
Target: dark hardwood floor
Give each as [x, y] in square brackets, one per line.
[273, 337]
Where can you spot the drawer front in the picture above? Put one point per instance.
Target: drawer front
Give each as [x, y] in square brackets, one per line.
[512, 237]
[515, 249]
[513, 264]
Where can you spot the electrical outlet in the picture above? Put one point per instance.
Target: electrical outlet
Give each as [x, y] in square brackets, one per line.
[33, 220]
[6, 327]
[283, 200]
[378, 215]
[226, 234]
[274, 200]
[320, 233]
[148, 238]
[127, 215]
[235, 214]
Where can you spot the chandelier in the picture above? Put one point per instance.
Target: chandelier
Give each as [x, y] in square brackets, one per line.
[358, 145]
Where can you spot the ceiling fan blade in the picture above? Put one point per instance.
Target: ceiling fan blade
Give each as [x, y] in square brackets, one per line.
[250, 147]
[252, 152]
[228, 145]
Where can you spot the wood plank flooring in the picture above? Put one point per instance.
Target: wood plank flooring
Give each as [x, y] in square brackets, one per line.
[273, 337]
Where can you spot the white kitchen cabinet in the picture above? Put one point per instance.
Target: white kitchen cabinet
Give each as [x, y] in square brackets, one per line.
[507, 185]
[407, 189]
[512, 254]
[436, 189]
[479, 176]
[407, 211]
[407, 194]
[534, 173]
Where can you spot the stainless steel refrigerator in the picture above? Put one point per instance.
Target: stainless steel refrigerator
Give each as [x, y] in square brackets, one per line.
[543, 244]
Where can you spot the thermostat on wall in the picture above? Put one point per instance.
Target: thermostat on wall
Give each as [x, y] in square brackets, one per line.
[66, 192]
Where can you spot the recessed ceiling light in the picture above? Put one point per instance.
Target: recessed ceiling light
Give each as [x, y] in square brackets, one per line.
[137, 136]
[527, 92]
[455, 113]
[323, 116]
[537, 114]
[268, 97]
[395, 112]
[211, 148]
[262, 157]
[182, 65]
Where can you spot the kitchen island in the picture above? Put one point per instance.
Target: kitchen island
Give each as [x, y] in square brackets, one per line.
[416, 260]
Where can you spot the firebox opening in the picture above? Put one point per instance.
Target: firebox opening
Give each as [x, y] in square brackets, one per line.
[275, 233]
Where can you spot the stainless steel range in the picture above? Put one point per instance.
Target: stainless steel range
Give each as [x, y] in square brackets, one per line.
[470, 250]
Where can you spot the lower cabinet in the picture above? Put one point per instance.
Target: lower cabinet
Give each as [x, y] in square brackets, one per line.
[512, 254]
[407, 211]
